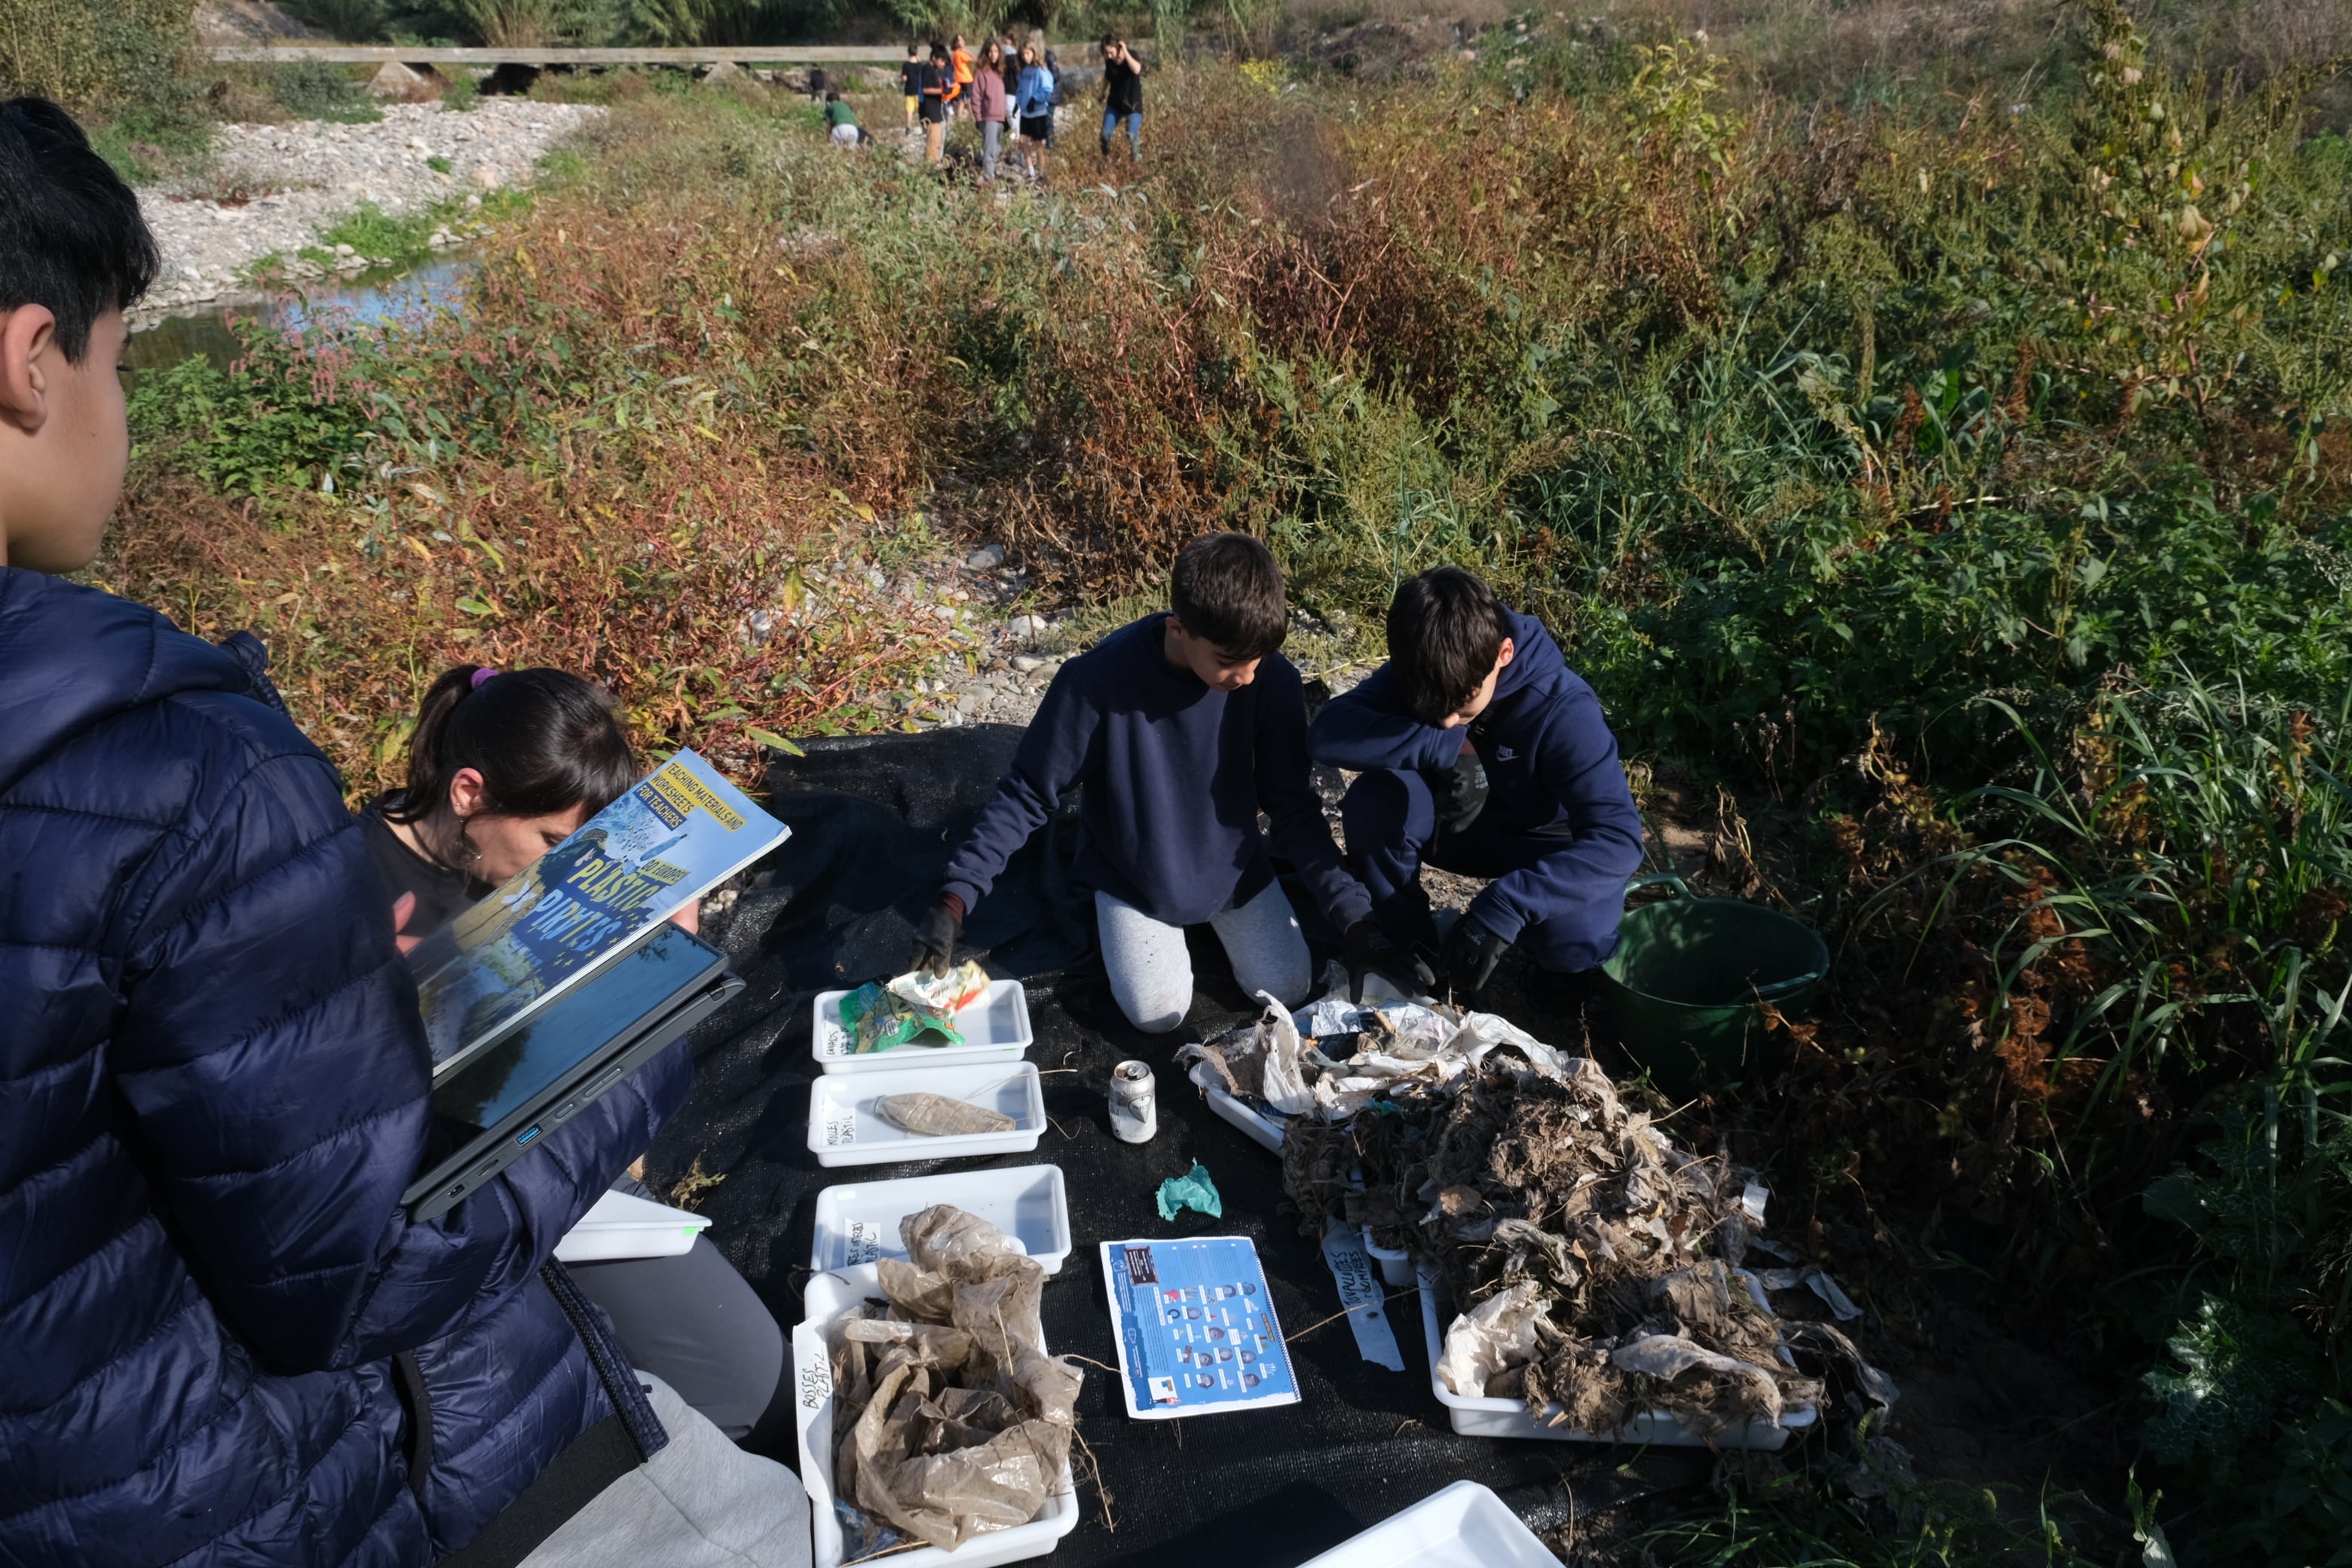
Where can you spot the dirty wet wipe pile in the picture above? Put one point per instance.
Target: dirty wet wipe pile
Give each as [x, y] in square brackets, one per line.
[1597, 1266]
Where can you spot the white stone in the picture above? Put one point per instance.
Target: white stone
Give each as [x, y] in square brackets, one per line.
[314, 174]
[1026, 662]
[987, 558]
[1029, 625]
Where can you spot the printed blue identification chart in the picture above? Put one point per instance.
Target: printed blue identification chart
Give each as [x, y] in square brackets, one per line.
[1196, 1331]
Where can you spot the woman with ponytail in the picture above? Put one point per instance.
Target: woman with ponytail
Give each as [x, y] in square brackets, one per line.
[503, 766]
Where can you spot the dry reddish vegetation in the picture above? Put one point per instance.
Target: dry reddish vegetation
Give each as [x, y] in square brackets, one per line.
[594, 467]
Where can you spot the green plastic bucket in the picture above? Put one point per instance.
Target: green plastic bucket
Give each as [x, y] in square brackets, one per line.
[1689, 976]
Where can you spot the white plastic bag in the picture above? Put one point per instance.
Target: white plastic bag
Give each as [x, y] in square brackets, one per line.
[1499, 1332]
[1284, 1084]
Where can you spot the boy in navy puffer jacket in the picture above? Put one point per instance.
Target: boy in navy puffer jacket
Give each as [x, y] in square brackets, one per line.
[223, 1342]
[1482, 753]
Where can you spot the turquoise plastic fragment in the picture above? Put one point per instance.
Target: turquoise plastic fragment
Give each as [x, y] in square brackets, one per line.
[1193, 1190]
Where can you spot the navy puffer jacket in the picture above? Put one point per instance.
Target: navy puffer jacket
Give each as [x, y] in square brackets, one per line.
[213, 1087]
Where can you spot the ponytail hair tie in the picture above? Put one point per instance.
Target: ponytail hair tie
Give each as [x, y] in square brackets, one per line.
[480, 676]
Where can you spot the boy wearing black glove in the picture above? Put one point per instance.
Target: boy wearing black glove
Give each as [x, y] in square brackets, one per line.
[1482, 753]
[1182, 728]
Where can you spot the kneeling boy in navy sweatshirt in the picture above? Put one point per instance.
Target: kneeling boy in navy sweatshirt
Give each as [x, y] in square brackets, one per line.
[1483, 753]
[1181, 727]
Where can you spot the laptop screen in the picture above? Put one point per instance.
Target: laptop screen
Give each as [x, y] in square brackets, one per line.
[607, 1008]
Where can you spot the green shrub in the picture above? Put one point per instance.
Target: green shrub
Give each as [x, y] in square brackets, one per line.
[117, 55]
[273, 419]
[315, 90]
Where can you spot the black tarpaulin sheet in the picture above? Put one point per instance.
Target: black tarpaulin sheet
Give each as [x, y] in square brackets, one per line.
[873, 822]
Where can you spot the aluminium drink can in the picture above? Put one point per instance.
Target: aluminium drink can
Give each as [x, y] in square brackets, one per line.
[1134, 1109]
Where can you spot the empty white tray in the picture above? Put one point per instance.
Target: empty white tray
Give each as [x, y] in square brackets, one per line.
[844, 1127]
[995, 1027]
[857, 1222]
[1464, 1526]
[622, 1225]
[828, 1296]
[1480, 1417]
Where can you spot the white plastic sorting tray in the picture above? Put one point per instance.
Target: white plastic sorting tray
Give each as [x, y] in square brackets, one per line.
[1260, 1127]
[1463, 1526]
[857, 1222]
[1480, 1417]
[995, 1028]
[828, 1296]
[622, 1225]
[844, 1127]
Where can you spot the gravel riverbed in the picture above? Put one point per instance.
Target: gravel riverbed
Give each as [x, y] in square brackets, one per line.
[271, 188]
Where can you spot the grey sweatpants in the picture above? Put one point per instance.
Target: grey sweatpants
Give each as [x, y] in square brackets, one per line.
[701, 1502]
[991, 140]
[694, 1322]
[1151, 974]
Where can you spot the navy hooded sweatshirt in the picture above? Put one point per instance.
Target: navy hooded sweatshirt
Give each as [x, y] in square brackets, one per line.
[1175, 774]
[1552, 767]
[212, 1089]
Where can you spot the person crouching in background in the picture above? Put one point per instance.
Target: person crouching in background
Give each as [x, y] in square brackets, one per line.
[843, 122]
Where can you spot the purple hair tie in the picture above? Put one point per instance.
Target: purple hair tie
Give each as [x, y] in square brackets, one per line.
[480, 676]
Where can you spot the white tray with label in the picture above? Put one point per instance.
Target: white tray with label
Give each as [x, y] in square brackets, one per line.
[857, 1222]
[829, 1295]
[1464, 1526]
[1477, 1417]
[845, 1129]
[995, 1027]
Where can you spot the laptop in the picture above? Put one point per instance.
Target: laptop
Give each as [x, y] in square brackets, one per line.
[494, 1108]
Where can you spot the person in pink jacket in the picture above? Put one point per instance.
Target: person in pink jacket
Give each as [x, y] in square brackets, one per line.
[991, 106]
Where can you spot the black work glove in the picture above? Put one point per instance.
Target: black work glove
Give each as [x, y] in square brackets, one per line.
[935, 935]
[1369, 951]
[1462, 792]
[1470, 955]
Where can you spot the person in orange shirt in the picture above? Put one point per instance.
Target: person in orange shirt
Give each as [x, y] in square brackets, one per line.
[962, 58]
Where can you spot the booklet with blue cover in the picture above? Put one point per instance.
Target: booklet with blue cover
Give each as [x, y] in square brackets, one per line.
[1196, 1329]
[583, 903]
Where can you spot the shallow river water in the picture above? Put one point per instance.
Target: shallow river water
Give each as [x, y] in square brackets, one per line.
[208, 332]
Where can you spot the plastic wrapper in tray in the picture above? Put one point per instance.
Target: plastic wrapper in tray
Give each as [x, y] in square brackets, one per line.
[913, 1005]
[950, 1422]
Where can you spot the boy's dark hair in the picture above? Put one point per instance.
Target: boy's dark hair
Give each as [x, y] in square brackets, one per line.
[938, 51]
[1445, 631]
[833, 97]
[544, 740]
[1227, 588]
[71, 237]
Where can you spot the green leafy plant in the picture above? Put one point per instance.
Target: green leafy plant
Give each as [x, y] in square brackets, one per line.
[276, 417]
[321, 92]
